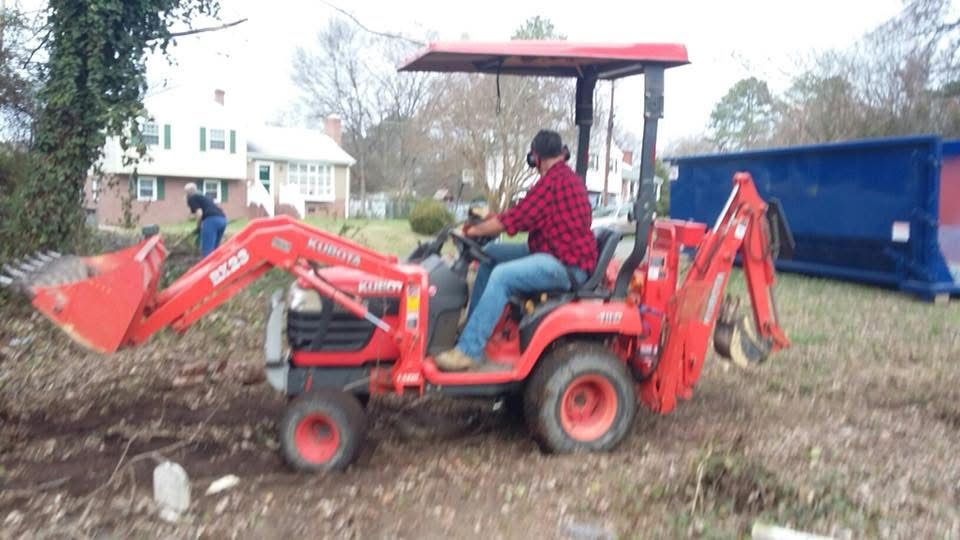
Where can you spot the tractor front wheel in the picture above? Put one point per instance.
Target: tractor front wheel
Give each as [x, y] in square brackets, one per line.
[322, 430]
[581, 397]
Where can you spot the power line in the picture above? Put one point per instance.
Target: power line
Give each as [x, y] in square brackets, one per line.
[369, 30]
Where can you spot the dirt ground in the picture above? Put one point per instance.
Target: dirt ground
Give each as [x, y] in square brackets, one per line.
[853, 432]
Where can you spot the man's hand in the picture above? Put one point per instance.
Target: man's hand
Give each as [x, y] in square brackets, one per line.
[480, 213]
[489, 227]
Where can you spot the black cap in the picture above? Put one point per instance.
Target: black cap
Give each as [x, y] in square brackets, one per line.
[547, 144]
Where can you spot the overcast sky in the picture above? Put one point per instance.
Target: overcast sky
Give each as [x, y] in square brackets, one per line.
[726, 40]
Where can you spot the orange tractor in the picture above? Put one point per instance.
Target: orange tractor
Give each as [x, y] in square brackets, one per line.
[357, 323]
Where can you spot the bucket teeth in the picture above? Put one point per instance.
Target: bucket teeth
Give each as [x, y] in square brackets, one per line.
[44, 269]
[13, 271]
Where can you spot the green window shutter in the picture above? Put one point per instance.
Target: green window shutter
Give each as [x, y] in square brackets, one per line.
[133, 187]
[166, 136]
[223, 191]
[160, 191]
[135, 139]
[233, 141]
[203, 139]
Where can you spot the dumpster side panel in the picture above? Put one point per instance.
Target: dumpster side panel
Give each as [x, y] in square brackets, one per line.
[859, 210]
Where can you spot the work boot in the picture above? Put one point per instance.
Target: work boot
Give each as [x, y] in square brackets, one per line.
[454, 360]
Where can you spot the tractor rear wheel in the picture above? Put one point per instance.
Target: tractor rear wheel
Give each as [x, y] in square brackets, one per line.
[322, 430]
[581, 397]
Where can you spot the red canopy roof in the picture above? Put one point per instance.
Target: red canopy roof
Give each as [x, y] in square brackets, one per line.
[547, 58]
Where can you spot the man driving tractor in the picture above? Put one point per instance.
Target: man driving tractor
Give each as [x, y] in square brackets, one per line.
[560, 253]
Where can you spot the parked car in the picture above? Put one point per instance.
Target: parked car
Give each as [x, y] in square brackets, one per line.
[614, 217]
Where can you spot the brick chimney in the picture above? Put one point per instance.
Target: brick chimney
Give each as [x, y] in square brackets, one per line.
[628, 157]
[333, 128]
[218, 95]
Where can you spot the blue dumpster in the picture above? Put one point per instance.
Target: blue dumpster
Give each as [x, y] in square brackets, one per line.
[879, 211]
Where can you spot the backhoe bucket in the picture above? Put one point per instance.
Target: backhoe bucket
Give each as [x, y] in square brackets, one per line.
[95, 300]
[735, 337]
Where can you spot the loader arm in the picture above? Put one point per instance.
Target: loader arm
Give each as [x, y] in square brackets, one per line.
[699, 304]
[111, 302]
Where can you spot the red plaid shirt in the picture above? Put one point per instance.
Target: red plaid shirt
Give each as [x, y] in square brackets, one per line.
[556, 212]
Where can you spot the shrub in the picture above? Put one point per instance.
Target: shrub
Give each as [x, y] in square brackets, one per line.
[429, 216]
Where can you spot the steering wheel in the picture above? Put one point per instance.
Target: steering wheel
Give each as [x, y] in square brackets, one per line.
[437, 244]
[469, 245]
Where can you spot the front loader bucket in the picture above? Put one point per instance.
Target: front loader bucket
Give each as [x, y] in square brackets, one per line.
[95, 300]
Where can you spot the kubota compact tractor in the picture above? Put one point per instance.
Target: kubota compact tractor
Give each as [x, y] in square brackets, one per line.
[358, 322]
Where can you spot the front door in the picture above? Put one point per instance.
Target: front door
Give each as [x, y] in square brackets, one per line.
[265, 175]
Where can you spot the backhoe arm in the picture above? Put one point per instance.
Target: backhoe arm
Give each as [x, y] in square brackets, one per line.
[740, 229]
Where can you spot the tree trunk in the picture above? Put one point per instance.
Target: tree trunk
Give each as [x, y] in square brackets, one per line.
[363, 181]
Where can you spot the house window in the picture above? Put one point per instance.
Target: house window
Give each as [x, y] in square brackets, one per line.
[314, 179]
[595, 162]
[146, 188]
[218, 140]
[211, 188]
[151, 134]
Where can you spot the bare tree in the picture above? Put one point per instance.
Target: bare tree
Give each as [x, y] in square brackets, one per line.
[690, 145]
[18, 74]
[401, 135]
[899, 79]
[336, 78]
[352, 73]
[492, 134]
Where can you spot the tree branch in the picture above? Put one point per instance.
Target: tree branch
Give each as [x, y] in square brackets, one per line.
[368, 30]
[207, 29]
[43, 41]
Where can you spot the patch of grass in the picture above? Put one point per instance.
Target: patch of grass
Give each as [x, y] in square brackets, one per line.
[731, 484]
[802, 338]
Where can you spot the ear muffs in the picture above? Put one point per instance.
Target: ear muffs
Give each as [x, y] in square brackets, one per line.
[533, 160]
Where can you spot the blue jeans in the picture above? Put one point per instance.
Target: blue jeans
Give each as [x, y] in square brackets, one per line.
[514, 271]
[211, 232]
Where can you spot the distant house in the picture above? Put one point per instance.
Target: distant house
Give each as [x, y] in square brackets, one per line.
[298, 171]
[597, 159]
[197, 135]
[631, 179]
[192, 137]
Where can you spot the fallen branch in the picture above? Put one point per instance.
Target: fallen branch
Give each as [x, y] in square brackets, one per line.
[27, 492]
[156, 454]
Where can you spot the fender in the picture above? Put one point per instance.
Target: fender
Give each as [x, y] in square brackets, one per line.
[584, 317]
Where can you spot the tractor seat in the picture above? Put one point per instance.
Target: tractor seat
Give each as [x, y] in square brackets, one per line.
[607, 241]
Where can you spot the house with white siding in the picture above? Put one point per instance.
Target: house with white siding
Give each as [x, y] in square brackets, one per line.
[198, 135]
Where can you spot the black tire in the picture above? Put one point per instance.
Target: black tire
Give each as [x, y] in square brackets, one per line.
[598, 389]
[322, 430]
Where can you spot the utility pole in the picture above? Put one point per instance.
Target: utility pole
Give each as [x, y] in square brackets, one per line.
[606, 169]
